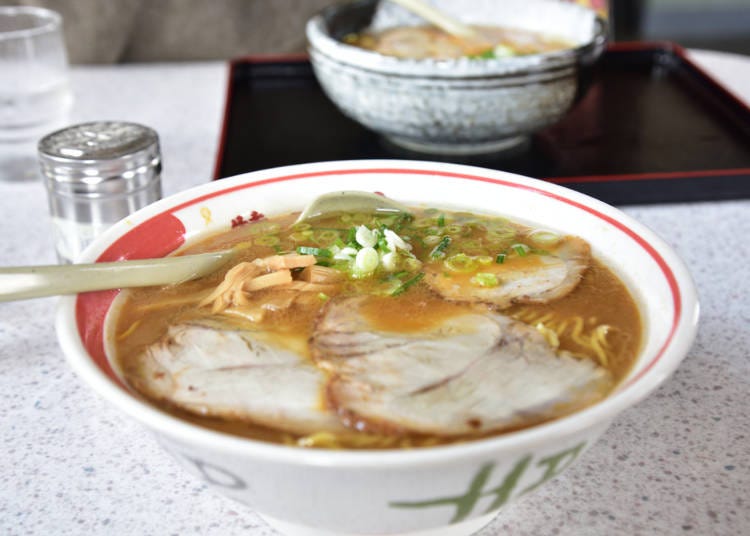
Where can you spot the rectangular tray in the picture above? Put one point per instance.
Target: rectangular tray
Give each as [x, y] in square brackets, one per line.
[652, 128]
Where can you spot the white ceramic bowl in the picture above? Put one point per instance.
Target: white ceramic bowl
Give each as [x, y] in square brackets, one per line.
[423, 491]
[462, 106]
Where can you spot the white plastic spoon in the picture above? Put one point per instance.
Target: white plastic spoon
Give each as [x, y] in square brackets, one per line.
[23, 282]
[350, 201]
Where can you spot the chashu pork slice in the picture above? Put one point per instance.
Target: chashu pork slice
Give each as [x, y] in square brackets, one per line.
[473, 373]
[531, 279]
[237, 374]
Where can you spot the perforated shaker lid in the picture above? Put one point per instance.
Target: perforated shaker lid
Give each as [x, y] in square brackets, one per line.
[100, 157]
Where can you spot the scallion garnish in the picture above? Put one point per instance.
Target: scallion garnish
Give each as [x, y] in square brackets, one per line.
[520, 249]
[441, 220]
[500, 258]
[439, 250]
[406, 284]
[484, 279]
[485, 55]
[318, 252]
[351, 237]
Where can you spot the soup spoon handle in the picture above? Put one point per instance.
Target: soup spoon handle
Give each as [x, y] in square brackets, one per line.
[19, 283]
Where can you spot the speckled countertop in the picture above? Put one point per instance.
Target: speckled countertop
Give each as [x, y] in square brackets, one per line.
[677, 463]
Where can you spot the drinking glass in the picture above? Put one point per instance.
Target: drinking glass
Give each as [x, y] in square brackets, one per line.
[35, 94]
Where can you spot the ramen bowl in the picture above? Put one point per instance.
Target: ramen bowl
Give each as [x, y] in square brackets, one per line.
[461, 106]
[443, 490]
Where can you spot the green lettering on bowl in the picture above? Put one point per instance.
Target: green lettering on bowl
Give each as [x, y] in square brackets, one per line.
[465, 503]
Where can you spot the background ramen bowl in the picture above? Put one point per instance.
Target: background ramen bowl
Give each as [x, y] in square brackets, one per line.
[462, 106]
[422, 491]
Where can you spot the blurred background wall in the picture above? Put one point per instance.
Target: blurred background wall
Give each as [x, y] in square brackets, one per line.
[107, 31]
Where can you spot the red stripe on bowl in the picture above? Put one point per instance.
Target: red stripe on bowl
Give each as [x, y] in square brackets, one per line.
[156, 237]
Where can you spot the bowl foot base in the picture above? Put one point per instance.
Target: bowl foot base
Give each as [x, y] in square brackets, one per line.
[459, 149]
[464, 528]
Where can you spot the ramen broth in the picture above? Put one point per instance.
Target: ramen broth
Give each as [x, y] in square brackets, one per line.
[597, 321]
[423, 42]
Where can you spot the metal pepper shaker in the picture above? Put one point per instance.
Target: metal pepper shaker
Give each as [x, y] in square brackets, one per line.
[97, 174]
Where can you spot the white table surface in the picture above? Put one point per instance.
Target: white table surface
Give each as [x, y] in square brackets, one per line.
[677, 463]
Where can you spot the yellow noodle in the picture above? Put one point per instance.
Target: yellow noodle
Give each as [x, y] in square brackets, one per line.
[597, 338]
[593, 340]
[174, 302]
[125, 334]
[549, 334]
[577, 333]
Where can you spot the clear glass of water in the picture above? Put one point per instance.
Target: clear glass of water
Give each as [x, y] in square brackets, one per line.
[35, 94]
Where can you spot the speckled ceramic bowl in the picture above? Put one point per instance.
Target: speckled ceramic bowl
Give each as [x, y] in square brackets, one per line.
[463, 106]
[439, 491]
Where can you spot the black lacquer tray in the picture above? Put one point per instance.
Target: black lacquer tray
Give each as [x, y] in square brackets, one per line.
[652, 128]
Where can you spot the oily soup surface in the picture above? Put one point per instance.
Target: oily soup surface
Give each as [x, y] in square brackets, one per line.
[422, 42]
[596, 321]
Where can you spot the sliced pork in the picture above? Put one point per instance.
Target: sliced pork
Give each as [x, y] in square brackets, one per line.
[236, 374]
[472, 373]
[535, 278]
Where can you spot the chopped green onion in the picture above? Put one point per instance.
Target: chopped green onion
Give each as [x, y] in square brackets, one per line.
[360, 218]
[439, 251]
[500, 258]
[484, 259]
[461, 263]
[327, 236]
[351, 238]
[318, 252]
[441, 220]
[486, 55]
[299, 236]
[521, 249]
[263, 228]
[501, 237]
[268, 240]
[366, 261]
[323, 296]
[389, 261]
[385, 220]
[485, 280]
[367, 238]
[503, 51]
[382, 244]
[400, 221]
[408, 283]
[542, 237]
[422, 223]
[412, 263]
